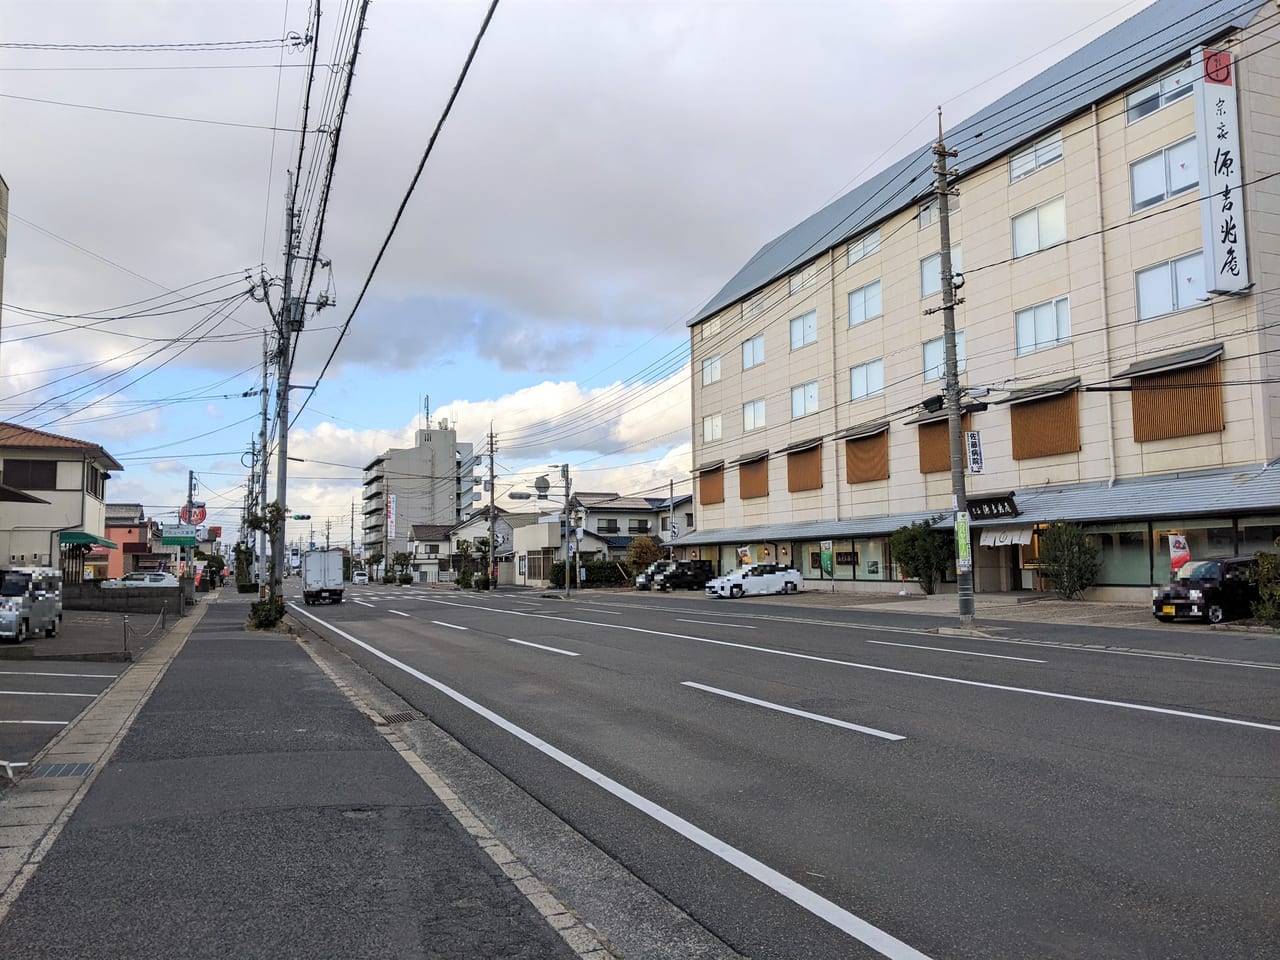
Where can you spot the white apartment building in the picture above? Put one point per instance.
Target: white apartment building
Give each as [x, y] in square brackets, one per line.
[1117, 225]
[432, 482]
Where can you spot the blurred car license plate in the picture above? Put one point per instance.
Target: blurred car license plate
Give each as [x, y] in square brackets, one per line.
[1168, 610]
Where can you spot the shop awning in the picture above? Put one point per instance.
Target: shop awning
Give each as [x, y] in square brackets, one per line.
[712, 465]
[1169, 362]
[80, 537]
[1005, 536]
[751, 457]
[802, 446]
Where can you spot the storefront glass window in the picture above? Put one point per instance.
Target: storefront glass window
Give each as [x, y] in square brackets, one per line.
[1258, 535]
[1126, 553]
[809, 560]
[1205, 538]
[871, 562]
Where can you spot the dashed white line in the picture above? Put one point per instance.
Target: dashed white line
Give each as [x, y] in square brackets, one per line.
[713, 623]
[398, 613]
[608, 613]
[362, 603]
[541, 646]
[451, 626]
[967, 653]
[794, 712]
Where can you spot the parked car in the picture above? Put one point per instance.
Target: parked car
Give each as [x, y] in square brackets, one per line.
[756, 579]
[360, 576]
[644, 580]
[141, 579]
[689, 574]
[1217, 589]
[30, 603]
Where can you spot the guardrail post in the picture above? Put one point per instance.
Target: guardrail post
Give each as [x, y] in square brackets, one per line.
[126, 633]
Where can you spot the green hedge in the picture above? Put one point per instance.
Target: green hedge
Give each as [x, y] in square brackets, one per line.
[600, 573]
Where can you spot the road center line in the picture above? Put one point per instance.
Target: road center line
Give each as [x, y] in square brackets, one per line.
[40, 723]
[33, 673]
[875, 938]
[541, 646]
[967, 653]
[608, 613]
[1050, 694]
[713, 623]
[451, 626]
[793, 711]
[398, 613]
[362, 603]
[38, 693]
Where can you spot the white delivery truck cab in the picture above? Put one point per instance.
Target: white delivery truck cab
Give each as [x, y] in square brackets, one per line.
[322, 576]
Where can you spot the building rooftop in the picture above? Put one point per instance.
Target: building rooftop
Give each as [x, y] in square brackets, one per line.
[16, 436]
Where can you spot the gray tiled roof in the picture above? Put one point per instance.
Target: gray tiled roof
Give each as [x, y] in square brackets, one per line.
[1172, 361]
[1158, 35]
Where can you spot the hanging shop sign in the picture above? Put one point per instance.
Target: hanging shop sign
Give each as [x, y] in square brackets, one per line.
[1221, 176]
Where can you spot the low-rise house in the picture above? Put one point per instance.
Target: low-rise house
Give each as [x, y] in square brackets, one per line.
[431, 548]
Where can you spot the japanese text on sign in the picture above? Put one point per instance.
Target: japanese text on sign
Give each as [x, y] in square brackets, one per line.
[1221, 175]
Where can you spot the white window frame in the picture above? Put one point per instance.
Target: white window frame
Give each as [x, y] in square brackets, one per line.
[1038, 215]
[956, 267]
[864, 246]
[867, 379]
[757, 410]
[1165, 89]
[808, 331]
[1180, 273]
[927, 213]
[755, 347]
[939, 364]
[1033, 319]
[1163, 158]
[805, 278]
[1037, 156]
[710, 328]
[867, 293]
[807, 393]
[711, 370]
[712, 431]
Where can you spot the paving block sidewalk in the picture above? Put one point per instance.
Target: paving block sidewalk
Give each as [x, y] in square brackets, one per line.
[251, 810]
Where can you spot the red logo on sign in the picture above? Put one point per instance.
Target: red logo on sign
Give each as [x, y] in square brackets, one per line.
[1217, 67]
[194, 514]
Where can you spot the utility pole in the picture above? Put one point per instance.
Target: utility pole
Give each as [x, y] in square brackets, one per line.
[326, 533]
[960, 506]
[290, 322]
[493, 523]
[568, 545]
[261, 566]
[188, 553]
[353, 529]
[671, 518]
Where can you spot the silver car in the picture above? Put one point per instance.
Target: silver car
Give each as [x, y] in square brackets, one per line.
[30, 603]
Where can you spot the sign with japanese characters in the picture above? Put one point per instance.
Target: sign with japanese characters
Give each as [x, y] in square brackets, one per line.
[1221, 177]
[391, 517]
[973, 450]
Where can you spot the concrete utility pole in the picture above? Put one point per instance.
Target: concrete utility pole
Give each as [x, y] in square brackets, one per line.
[188, 553]
[326, 533]
[261, 564]
[290, 322]
[353, 529]
[493, 521]
[671, 518]
[964, 554]
[568, 546]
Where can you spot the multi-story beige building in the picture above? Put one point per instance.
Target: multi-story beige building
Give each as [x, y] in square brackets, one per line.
[1120, 255]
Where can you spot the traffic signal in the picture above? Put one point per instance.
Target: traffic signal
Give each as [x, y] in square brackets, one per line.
[302, 516]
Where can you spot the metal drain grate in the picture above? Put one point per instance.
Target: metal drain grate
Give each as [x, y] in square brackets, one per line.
[62, 770]
[407, 717]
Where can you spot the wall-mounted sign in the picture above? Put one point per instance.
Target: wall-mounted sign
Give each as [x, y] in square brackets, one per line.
[1226, 251]
[990, 508]
[973, 450]
[391, 517]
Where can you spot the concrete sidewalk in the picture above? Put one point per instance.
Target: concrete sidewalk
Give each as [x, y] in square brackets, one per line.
[230, 800]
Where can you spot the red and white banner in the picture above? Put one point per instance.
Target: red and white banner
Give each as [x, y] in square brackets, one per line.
[1179, 552]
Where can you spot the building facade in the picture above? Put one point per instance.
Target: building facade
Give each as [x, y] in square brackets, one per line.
[1117, 330]
[432, 482]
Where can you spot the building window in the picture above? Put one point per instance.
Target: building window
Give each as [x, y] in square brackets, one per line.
[711, 428]
[804, 399]
[710, 328]
[1161, 92]
[1042, 428]
[1166, 174]
[755, 306]
[1044, 325]
[95, 483]
[864, 303]
[867, 458]
[31, 474]
[931, 271]
[1038, 155]
[710, 370]
[866, 379]
[637, 526]
[753, 479]
[607, 525]
[665, 525]
[935, 357]
[752, 416]
[1180, 403]
[805, 278]
[1040, 228]
[928, 212]
[864, 246]
[711, 487]
[753, 351]
[804, 470]
[1172, 286]
[804, 330]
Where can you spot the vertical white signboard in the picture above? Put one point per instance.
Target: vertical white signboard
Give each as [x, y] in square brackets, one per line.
[1221, 176]
[391, 517]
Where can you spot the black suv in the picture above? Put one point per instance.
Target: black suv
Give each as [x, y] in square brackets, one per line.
[690, 574]
[1215, 590]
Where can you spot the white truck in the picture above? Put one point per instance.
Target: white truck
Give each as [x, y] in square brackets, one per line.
[322, 576]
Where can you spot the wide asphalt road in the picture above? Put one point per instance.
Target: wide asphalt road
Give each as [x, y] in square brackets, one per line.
[843, 784]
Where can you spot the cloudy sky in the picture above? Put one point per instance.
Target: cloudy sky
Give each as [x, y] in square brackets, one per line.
[608, 166]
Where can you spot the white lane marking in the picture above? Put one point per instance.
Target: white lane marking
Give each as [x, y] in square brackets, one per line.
[39, 693]
[875, 938]
[42, 723]
[451, 626]
[609, 613]
[541, 646]
[713, 623]
[398, 613]
[793, 711]
[363, 604]
[906, 673]
[967, 653]
[33, 673]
